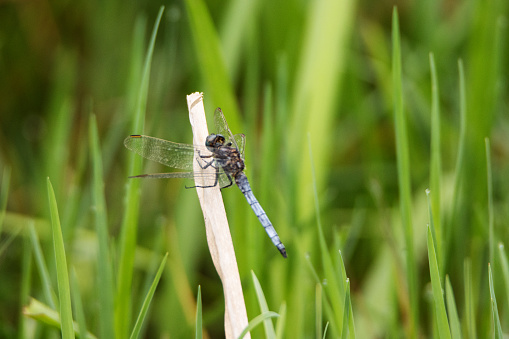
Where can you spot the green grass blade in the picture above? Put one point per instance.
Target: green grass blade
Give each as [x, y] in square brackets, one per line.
[505, 268]
[438, 298]
[436, 163]
[141, 103]
[486, 44]
[64, 292]
[47, 288]
[45, 314]
[346, 285]
[238, 19]
[460, 160]
[497, 327]
[403, 164]
[325, 301]
[146, 303]
[431, 219]
[490, 200]
[336, 290]
[322, 57]
[452, 311]
[130, 219]
[60, 115]
[281, 321]
[318, 310]
[78, 305]
[104, 269]
[325, 330]
[199, 320]
[267, 323]
[212, 66]
[346, 312]
[257, 321]
[26, 282]
[469, 299]
[4, 191]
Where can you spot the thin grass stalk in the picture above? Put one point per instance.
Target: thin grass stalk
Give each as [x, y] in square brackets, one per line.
[78, 305]
[4, 192]
[326, 304]
[347, 312]
[436, 163]
[452, 311]
[59, 117]
[26, 281]
[146, 302]
[431, 219]
[438, 298]
[318, 311]
[129, 235]
[239, 18]
[335, 290]
[281, 321]
[198, 322]
[504, 264]
[104, 269]
[489, 177]
[317, 81]
[47, 288]
[212, 66]
[497, 327]
[470, 307]
[257, 321]
[459, 172]
[64, 291]
[262, 302]
[403, 164]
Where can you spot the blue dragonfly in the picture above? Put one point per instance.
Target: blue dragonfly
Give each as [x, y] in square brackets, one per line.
[222, 151]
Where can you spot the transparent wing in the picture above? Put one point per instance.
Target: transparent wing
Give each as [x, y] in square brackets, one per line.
[165, 152]
[209, 179]
[238, 140]
[222, 125]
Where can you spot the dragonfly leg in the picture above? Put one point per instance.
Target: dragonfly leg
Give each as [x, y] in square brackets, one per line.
[207, 164]
[208, 186]
[201, 157]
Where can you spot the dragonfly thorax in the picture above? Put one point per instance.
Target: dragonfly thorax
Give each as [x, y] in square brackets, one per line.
[226, 155]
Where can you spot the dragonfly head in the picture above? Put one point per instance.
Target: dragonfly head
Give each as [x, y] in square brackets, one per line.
[214, 141]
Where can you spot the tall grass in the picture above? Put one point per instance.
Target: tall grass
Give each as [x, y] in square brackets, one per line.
[351, 112]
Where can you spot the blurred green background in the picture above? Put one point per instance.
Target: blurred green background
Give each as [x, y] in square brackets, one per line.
[312, 85]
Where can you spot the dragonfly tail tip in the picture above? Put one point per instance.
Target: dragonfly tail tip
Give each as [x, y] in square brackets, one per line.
[282, 250]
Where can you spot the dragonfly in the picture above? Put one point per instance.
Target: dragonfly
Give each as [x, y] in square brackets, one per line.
[222, 151]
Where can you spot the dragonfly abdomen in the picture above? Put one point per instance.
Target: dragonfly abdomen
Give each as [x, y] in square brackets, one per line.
[245, 188]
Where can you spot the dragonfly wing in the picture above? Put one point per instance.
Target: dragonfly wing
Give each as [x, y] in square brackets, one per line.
[165, 152]
[208, 179]
[165, 175]
[240, 140]
[222, 126]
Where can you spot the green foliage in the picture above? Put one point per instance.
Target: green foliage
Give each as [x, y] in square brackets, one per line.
[64, 291]
[352, 110]
[438, 299]
[199, 328]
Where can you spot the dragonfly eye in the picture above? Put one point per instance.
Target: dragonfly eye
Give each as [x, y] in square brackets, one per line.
[214, 140]
[220, 139]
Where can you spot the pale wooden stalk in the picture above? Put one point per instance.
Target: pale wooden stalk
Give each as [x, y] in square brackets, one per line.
[218, 232]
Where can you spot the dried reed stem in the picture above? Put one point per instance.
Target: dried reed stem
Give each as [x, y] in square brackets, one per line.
[218, 233]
